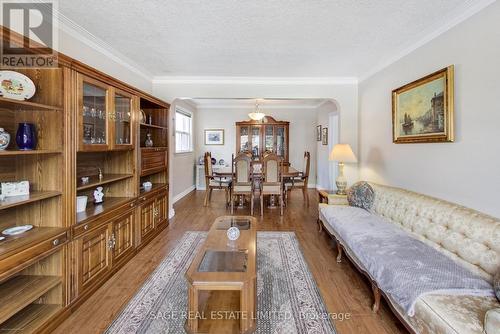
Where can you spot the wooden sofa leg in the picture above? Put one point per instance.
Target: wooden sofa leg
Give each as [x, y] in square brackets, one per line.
[376, 297]
[339, 250]
[320, 226]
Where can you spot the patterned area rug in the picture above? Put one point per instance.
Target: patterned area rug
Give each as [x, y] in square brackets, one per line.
[288, 300]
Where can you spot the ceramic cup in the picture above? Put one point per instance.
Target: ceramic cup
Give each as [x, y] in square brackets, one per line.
[81, 203]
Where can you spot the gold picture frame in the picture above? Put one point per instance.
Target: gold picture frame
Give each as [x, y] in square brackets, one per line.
[423, 110]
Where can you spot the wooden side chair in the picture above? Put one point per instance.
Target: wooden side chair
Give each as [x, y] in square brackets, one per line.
[301, 181]
[242, 179]
[272, 180]
[214, 182]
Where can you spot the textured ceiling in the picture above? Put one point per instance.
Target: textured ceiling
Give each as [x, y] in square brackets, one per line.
[263, 38]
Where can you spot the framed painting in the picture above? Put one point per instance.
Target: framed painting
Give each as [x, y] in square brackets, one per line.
[422, 111]
[324, 136]
[318, 133]
[214, 137]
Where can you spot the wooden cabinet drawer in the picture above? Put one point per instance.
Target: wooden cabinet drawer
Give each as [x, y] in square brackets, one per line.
[88, 226]
[27, 256]
[153, 160]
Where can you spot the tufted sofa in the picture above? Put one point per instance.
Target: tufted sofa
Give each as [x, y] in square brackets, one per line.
[467, 236]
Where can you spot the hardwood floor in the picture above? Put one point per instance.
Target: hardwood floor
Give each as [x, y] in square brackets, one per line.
[343, 288]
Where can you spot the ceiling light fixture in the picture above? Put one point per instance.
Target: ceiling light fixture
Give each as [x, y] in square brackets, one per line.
[256, 115]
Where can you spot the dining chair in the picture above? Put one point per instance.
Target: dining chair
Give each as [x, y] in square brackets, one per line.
[242, 179]
[301, 181]
[214, 182]
[272, 180]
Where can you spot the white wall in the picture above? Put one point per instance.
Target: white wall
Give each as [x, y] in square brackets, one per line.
[181, 164]
[327, 170]
[302, 132]
[466, 171]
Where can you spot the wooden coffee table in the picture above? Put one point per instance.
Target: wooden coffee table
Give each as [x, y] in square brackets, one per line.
[222, 280]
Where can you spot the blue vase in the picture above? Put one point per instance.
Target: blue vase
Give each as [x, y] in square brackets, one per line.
[26, 137]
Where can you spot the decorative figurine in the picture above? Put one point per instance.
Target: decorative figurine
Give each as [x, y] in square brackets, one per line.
[149, 141]
[4, 139]
[98, 195]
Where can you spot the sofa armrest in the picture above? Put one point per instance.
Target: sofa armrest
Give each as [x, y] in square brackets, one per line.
[492, 321]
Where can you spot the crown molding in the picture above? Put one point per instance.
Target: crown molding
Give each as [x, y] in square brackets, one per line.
[255, 80]
[473, 8]
[68, 26]
[263, 108]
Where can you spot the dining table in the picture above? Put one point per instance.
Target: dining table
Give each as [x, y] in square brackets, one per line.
[287, 172]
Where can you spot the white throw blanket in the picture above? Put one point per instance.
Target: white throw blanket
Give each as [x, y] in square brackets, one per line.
[403, 267]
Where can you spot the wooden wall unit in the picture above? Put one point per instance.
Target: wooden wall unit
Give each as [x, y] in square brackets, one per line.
[51, 269]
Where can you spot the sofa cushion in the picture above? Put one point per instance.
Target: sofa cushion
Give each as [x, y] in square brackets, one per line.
[467, 236]
[361, 195]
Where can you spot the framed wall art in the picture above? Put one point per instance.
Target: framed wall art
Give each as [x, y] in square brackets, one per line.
[214, 137]
[422, 111]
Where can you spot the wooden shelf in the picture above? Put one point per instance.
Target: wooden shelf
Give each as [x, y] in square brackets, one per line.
[30, 318]
[152, 126]
[25, 105]
[20, 291]
[16, 243]
[154, 188]
[93, 211]
[154, 148]
[34, 196]
[107, 178]
[28, 152]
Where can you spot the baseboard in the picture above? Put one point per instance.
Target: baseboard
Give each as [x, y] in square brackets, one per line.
[171, 213]
[311, 186]
[178, 197]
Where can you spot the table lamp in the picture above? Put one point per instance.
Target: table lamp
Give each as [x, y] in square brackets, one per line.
[342, 153]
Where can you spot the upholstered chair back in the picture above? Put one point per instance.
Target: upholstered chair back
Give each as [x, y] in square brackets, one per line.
[208, 164]
[467, 236]
[242, 168]
[271, 168]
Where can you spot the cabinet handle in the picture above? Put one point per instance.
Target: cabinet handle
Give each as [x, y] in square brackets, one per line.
[143, 199]
[131, 205]
[55, 242]
[112, 242]
[85, 227]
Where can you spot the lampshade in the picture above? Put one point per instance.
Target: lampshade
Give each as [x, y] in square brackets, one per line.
[342, 153]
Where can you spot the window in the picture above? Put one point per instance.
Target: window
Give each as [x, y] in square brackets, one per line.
[183, 131]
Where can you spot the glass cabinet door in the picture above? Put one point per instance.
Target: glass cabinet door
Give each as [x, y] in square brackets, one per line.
[244, 139]
[280, 141]
[122, 118]
[255, 142]
[269, 138]
[94, 111]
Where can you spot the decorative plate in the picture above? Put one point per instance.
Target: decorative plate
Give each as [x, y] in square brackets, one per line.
[15, 85]
[17, 230]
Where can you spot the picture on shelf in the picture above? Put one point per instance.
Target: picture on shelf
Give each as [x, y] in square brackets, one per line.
[318, 133]
[422, 111]
[324, 136]
[214, 137]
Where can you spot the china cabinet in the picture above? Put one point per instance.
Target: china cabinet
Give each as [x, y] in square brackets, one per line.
[260, 137]
[90, 132]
